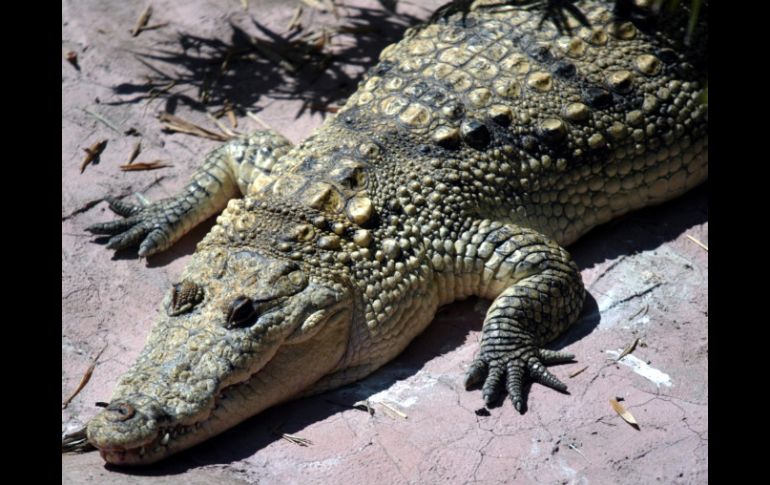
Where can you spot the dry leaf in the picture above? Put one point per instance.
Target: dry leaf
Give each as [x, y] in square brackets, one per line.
[259, 120]
[135, 152]
[141, 22]
[92, 154]
[231, 115]
[643, 309]
[222, 127]
[627, 416]
[364, 405]
[175, 123]
[84, 380]
[578, 372]
[629, 348]
[296, 439]
[72, 57]
[294, 23]
[135, 167]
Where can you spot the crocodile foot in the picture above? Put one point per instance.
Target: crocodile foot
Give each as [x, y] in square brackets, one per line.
[154, 227]
[510, 370]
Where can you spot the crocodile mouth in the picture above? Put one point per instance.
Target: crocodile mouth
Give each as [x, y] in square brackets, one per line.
[176, 437]
[230, 405]
[153, 451]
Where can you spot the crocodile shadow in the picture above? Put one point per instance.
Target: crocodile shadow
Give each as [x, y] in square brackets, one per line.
[212, 73]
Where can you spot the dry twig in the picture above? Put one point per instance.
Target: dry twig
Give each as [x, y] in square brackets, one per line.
[175, 123]
[141, 22]
[697, 242]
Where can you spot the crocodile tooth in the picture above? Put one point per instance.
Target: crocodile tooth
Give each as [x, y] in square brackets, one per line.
[165, 439]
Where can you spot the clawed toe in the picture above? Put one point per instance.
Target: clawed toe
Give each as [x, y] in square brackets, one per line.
[512, 373]
[151, 228]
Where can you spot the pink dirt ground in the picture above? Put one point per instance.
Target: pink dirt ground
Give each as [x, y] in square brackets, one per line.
[647, 280]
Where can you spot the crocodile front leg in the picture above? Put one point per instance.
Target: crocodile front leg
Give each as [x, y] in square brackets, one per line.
[227, 172]
[537, 293]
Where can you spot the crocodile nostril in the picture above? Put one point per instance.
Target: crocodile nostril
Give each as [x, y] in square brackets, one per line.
[120, 411]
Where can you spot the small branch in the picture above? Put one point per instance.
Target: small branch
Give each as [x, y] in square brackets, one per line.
[697, 242]
[141, 22]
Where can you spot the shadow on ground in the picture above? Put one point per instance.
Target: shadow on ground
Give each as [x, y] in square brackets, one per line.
[304, 64]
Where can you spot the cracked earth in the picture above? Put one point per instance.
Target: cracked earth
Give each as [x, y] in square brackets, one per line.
[646, 279]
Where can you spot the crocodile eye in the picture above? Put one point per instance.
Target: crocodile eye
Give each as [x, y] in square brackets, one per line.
[241, 312]
[184, 297]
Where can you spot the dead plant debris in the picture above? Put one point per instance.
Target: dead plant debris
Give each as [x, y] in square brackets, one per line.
[84, 380]
[698, 242]
[629, 348]
[141, 22]
[137, 167]
[364, 405]
[135, 152]
[175, 123]
[92, 154]
[72, 57]
[295, 23]
[623, 413]
[297, 440]
[393, 411]
[578, 372]
[230, 112]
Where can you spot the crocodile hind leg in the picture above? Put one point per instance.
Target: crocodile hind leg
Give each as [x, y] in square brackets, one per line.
[537, 293]
[229, 171]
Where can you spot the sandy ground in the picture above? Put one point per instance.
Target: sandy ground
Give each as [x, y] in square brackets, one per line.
[646, 279]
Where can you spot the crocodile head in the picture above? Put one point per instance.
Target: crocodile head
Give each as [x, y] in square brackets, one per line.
[241, 332]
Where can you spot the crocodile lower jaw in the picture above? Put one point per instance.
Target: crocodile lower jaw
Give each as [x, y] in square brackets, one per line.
[172, 439]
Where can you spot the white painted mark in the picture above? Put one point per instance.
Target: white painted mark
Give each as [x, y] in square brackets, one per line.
[406, 393]
[657, 377]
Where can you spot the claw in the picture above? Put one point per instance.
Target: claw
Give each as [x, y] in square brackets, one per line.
[549, 357]
[493, 385]
[156, 241]
[112, 227]
[476, 372]
[128, 238]
[123, 208]
[514, 384]
[540, 374]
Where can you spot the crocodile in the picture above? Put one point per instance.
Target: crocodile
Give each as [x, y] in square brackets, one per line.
[471, 155]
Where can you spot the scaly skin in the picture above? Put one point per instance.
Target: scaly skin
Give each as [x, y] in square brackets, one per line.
[471, 154]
